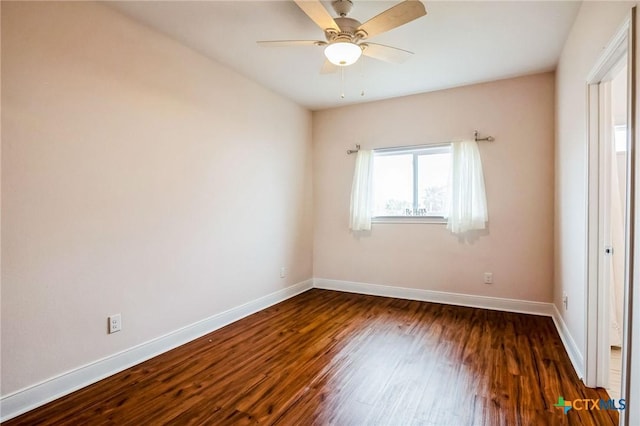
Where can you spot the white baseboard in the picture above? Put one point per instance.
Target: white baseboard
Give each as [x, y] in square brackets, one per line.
[20, 402]
[569, 344]
[484, 302]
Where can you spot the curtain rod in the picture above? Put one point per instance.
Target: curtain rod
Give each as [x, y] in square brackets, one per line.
[475, 138]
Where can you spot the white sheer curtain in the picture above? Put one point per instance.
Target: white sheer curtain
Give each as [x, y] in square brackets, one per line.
[468, 204]
[362, 192]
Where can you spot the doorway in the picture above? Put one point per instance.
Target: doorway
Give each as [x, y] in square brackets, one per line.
[611, 204]
[613, 217]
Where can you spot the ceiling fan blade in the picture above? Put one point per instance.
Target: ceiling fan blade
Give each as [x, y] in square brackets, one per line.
[318, 14]
[285, 43]
[394, 17]
[385, 53]
[328, 68]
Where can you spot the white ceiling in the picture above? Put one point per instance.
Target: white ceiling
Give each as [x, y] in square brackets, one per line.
[457, 43]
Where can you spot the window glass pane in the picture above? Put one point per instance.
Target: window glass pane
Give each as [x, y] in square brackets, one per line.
[393, 185]
[433, 184]
[620, 137]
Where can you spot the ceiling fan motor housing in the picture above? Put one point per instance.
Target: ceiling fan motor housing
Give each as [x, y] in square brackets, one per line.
[348, 30]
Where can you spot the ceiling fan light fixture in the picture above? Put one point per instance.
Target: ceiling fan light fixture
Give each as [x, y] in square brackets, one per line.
[343, 53]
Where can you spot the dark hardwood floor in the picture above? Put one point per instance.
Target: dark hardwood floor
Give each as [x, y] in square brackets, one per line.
[327, 357]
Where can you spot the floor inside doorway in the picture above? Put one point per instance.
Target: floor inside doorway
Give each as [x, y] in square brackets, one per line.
[615, 373]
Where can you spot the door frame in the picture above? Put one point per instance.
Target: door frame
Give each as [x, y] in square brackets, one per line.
[597, 308]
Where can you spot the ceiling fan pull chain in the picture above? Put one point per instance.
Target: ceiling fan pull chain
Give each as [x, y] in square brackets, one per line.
[362, 77]
[341, 82]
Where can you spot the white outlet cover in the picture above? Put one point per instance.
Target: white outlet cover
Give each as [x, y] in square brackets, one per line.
[115, 323]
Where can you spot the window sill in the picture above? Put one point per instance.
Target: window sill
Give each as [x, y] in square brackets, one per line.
[399, 219]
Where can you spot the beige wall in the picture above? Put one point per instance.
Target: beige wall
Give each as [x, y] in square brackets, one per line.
[137, 177]
[518, 166]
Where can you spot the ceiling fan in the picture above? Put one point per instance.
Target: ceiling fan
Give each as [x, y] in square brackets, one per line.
[346, 38]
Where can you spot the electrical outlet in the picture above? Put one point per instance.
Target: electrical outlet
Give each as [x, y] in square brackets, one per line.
[115, 323]
[488, 277]
[283, 272]
[565, 300]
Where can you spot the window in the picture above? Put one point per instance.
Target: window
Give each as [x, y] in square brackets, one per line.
[411, 182]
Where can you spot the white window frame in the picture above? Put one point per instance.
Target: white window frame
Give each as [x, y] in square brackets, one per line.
[416, 151]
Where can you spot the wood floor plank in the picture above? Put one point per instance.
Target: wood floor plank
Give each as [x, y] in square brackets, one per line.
[332, 358]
